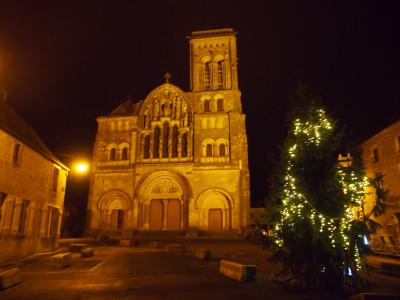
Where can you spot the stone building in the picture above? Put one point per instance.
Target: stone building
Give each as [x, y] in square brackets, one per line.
[381, 155]
[32, 187]
[176, 161]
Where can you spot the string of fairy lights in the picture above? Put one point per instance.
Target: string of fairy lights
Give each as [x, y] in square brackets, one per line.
[296, 207]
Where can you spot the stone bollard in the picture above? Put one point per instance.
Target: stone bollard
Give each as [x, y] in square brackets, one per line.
[62, 260]
[204, 254]
[239, 272]
[9, 278]
[77, 247]
[87, 252]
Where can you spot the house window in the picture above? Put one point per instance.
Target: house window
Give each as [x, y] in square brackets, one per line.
[113, 154]
[220, 105]
[398, 143]
[207, 106]
[56, 174]
[3, 197]
[16, 154]
[209, 150]
[124, 155]
[376, 154]
[23, 217]
[52, 221]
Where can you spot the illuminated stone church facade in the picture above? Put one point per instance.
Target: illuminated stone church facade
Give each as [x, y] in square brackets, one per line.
[177, 160]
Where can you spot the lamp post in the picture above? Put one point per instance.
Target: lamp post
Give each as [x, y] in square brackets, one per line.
[75, 196]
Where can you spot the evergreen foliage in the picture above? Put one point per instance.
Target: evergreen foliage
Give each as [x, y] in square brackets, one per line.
[317, 234]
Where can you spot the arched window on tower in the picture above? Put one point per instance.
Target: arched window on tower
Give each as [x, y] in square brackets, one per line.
[146, 151]
[207, 75]
[113, 154]
[220, 74]
[220, 104]
[175, 141]
[156, 144]
[207, 106]
[165, 140]
[184, 145]
[209, 150]
[222, 150]
[124, 154]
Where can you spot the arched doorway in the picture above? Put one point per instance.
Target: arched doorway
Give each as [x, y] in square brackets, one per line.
[113, 210]
[163, 197]
[214, 210]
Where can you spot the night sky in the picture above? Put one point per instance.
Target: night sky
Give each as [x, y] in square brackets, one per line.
[65, 64]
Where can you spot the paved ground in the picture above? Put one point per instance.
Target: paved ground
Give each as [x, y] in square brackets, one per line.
[144, 273]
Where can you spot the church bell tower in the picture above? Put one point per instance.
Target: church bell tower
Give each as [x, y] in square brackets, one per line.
[213, 60]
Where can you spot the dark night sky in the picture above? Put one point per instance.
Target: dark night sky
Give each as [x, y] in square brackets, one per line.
[68, 63]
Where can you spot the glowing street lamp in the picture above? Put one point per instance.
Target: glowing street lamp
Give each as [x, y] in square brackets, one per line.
[80, 167]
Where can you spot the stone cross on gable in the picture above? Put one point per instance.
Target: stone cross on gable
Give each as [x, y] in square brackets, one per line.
[167, 77]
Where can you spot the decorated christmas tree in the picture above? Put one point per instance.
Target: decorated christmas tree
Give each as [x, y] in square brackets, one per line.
[318, 231]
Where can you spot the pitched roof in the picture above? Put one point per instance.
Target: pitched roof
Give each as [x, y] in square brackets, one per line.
[16, 126]
[125, 108]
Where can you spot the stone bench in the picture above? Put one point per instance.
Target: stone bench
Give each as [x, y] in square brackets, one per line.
[375, 296]
[156, 245]
[204, 254]
[77, 247]
[9, 278]
[62, 260]
[390, 269]
[87, 252]
[176, 248]
[239, 272]
[126, 243]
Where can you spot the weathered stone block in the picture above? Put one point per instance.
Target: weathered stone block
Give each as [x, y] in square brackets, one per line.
[176, 248]
[9, 278]
[77, 247]
[62, 260]
[375, 296]
[204, 254]
[87, 252]
[239, 272]
[126, 243]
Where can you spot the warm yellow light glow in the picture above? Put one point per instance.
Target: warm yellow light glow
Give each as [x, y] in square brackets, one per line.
[81, 167]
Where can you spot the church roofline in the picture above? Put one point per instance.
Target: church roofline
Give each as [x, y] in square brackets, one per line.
[211, 33]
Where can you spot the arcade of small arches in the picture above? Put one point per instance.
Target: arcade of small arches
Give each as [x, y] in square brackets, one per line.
[212, 104]
[117, 152]
[162, 203]
[164, 140]
[165, 126]
[214, 151]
